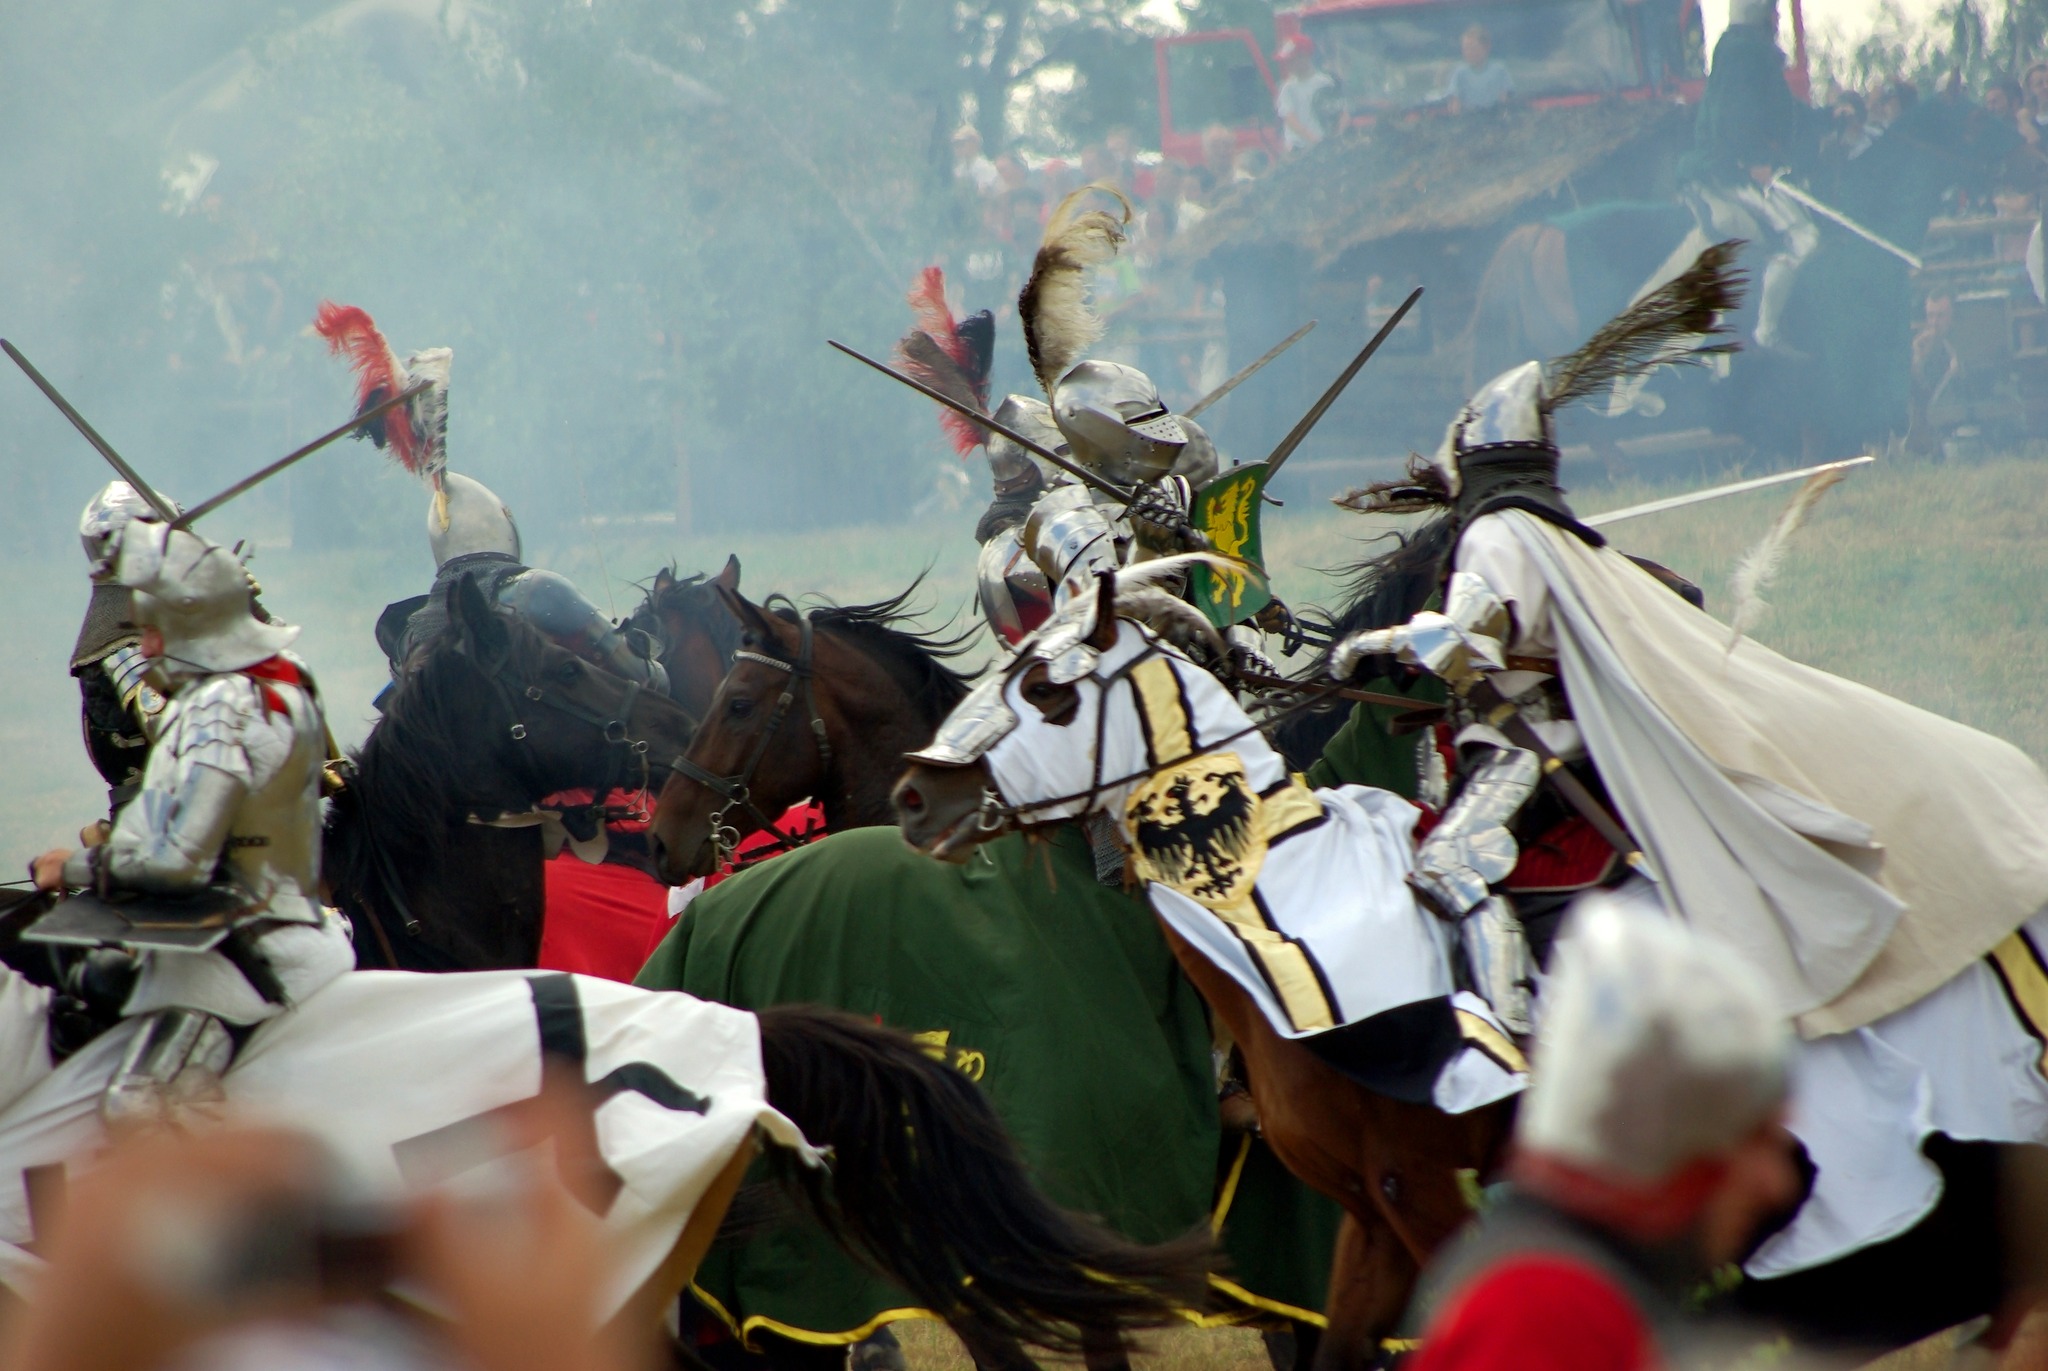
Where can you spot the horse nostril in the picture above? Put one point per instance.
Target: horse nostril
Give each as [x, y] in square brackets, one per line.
[909, 799]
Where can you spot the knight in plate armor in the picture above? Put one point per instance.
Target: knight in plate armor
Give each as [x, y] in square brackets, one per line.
[228, 810]
[119, 710]
[469, 529]
[1750, 792]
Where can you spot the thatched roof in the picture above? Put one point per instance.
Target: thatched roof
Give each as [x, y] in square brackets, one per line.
[1431, 174]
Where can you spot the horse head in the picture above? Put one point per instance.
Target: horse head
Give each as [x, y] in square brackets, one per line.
[688, 617]
[818, 705]
[487, 719]
[1093, 704]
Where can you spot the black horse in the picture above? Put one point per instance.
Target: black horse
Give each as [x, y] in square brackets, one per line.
[489, 719]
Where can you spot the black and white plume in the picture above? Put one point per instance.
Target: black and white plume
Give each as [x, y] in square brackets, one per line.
[1059, 323]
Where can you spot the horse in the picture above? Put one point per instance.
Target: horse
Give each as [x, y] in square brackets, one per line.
[488, 719]
[687, 616]
[1050, 737]
[667, 1096]
[819, 704]
[1391, 1162]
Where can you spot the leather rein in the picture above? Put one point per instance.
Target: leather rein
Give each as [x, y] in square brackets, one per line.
[737, 790]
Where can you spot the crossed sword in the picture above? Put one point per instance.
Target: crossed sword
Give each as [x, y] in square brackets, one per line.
[164, 508]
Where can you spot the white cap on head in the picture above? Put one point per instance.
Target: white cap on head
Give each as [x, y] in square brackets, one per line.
[1657, 1046]
[465, 517]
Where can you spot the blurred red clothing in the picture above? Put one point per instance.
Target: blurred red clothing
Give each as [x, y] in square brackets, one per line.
[1538, 1311]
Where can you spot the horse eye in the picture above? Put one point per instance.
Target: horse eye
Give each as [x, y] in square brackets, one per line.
[740, 706]
[570, 669]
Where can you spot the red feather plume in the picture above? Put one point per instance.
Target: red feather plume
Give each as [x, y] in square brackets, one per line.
[379, 374]
[935, 353]
[935, 316]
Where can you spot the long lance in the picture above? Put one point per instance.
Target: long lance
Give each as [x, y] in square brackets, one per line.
[1321, 407]
[1834, 216]
[102, 446]
[1072, 468]
[1194, 410]
[207, 506]
[1615, 516]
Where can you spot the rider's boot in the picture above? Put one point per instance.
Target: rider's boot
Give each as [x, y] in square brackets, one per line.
[174, 1063]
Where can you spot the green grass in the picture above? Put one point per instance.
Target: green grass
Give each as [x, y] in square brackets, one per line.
[1926, 581]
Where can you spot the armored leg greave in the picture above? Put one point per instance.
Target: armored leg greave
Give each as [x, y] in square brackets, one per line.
[175, 1062]
[1465, 856]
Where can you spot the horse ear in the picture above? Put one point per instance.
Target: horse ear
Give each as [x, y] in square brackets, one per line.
[482, 633]
[729, 578]
[664, 581]
[1103, 636]
[754, 621]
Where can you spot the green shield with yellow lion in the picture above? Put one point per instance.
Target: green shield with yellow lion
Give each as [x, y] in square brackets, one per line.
[1227, 513]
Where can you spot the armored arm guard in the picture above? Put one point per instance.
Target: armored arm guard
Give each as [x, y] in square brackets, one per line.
[1459, 643]
[1465, 856]
[167, 840]
[1071, 538]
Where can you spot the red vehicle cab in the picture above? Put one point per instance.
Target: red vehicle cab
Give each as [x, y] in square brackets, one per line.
[1394, 57]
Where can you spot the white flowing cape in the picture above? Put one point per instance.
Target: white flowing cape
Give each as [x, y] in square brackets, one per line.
[1858, 850]
[393, 1071]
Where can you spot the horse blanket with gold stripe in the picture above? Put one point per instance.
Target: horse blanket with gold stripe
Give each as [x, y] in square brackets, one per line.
[1302, 898]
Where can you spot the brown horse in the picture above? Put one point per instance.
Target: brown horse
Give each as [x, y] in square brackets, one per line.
[1392, 1164]
[687, 616]
[821, 704]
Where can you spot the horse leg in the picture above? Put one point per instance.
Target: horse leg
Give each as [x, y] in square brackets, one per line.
[1370, 1281]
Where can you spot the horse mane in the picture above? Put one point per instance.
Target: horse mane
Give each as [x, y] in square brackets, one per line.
[917, 659]
[398, 798]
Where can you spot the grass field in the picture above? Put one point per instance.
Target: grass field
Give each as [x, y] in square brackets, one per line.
[1925, 581]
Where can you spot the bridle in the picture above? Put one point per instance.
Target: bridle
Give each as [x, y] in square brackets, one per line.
[736, 791]
[994, 815]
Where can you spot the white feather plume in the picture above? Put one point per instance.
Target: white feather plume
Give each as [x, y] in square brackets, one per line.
[1758, 567]
[1161, 569]
[1059, 323]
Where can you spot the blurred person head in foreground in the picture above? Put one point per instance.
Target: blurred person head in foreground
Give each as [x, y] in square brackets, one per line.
[1648, 1152]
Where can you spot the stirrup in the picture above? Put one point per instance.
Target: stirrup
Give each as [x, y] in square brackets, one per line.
[173, 1064]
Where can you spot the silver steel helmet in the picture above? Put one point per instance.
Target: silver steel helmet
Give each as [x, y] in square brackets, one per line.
[1657, 1046]
[1506, 414]
[1007, 461]
[1199, 461]
[1116, 423]
[199, 597]
[466, 517]
[108, 513]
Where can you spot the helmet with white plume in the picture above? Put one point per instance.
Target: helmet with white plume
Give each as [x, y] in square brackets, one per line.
[467, 518]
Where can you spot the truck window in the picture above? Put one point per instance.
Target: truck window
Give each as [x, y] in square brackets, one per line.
[1400, 58]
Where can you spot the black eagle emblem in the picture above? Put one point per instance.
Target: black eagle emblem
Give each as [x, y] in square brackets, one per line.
[1194, 830]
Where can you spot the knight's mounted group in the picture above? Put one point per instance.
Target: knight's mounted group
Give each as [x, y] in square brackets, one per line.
[1569, 808]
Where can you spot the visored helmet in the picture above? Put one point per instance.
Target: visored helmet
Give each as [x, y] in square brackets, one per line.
[1116, 423]
[106, 515]
[465, 517]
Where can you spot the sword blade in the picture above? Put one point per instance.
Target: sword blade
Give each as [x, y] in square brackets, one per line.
[1194, 411]
[1072, 468]
[102, 446]
[1615, 516]
[1321, 407]
[1835, 216]
[208, 506]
